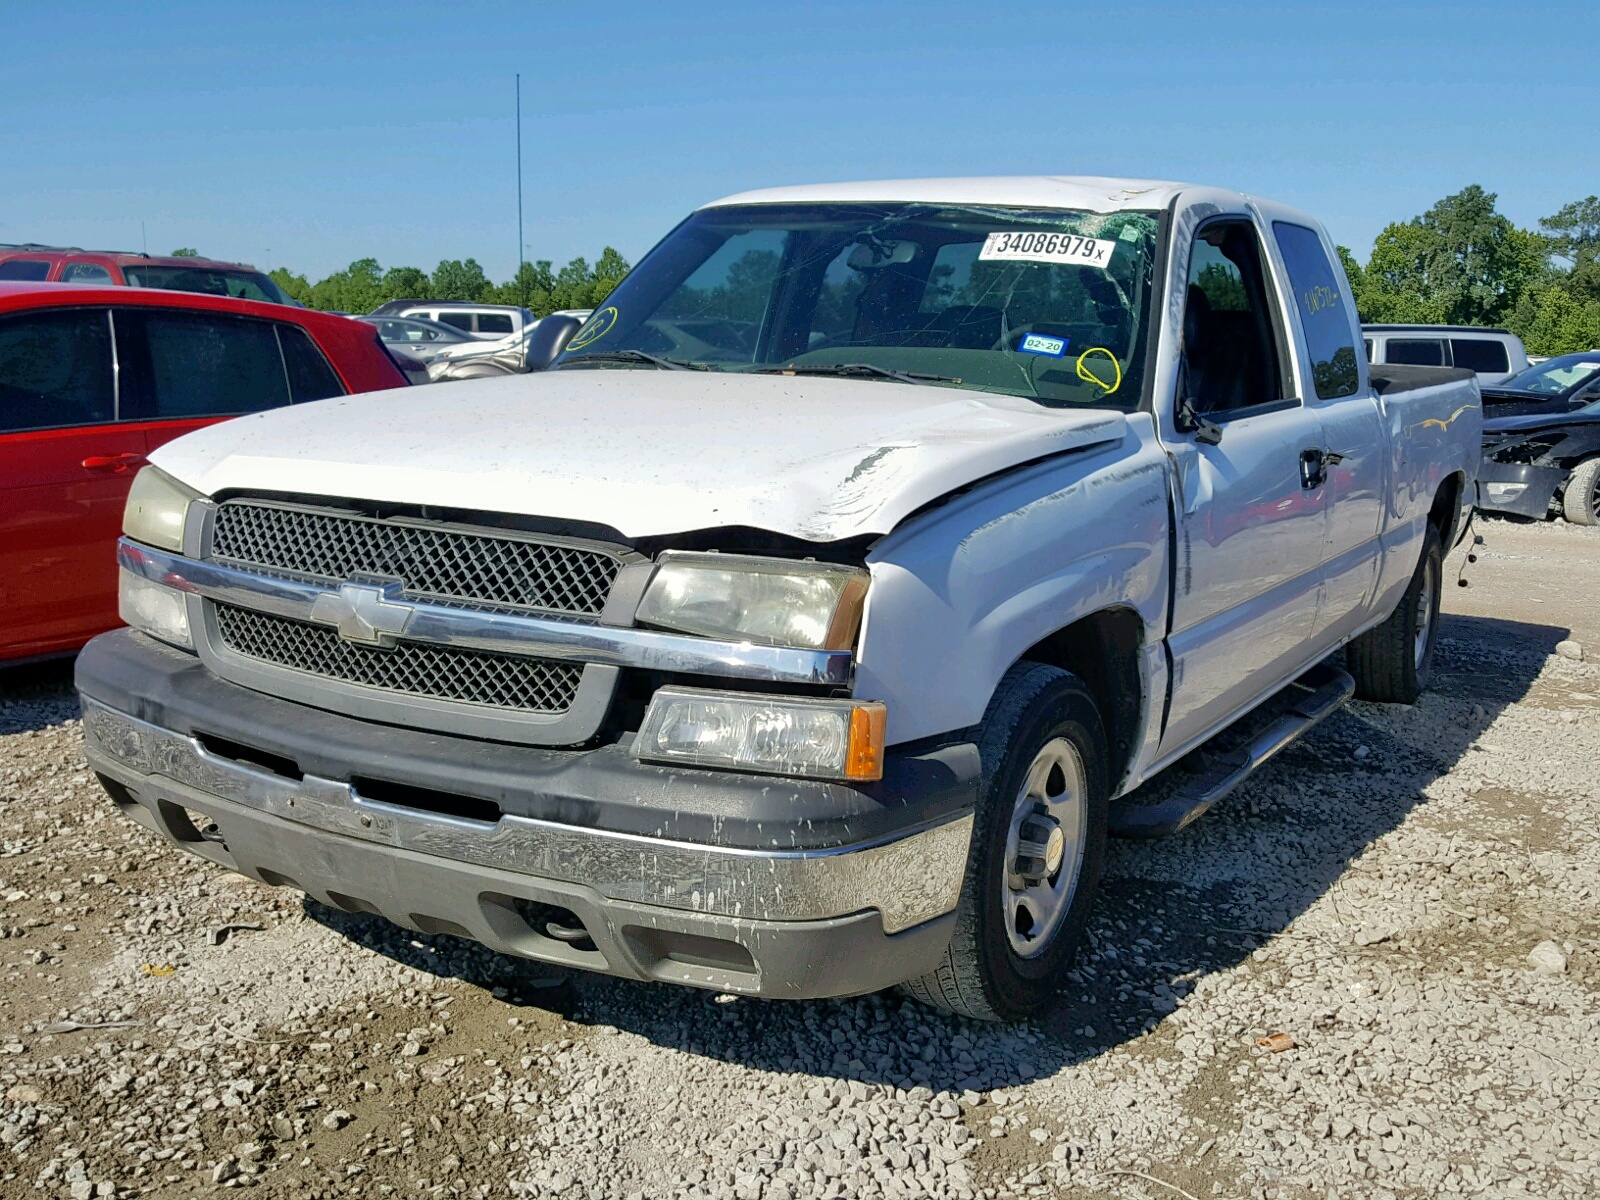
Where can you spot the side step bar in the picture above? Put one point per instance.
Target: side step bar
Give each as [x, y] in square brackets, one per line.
[1324, 689]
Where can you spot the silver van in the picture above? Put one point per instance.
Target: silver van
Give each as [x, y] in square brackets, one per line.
[1493, 353]
[490, 322]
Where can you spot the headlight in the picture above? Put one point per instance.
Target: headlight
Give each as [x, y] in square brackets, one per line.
[157, 504]
[773, 601]
[777, 735]
[154, 608]
[1505, 491]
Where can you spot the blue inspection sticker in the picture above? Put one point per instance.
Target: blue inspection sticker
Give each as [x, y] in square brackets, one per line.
[1038, 343]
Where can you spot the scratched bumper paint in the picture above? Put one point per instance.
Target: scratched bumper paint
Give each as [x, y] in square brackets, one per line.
[908, 879]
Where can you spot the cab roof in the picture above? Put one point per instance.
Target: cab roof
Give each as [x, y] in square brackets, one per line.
[1094, 193]
[123, 258]
[16, 295]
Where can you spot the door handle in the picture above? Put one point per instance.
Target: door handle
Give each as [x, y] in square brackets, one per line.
[1313, 469]
[116, 464]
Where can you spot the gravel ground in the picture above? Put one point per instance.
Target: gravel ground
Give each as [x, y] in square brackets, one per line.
[1407, 905]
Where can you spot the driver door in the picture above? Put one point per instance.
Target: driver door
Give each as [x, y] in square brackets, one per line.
[1249, 515]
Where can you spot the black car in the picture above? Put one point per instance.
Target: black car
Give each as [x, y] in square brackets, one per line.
[1546, 458]
[1556, 385]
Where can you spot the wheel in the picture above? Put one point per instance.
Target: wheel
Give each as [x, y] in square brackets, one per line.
[1580, 503]
[1391, 662]
[1038, 848]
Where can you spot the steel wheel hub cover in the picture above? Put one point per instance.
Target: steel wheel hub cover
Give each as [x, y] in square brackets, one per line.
[1044, 848]
[1424, 620]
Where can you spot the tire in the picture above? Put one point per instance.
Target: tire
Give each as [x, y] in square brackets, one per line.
[1580, 503]
[1391, 662]
[1016, 933]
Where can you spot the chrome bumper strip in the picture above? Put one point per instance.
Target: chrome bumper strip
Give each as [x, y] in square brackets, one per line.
[909, 879]
[500, 633]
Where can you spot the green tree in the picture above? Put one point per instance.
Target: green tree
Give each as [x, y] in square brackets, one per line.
[406, 283]
[356, 289]
[1555, 321]
[611, 266]
[454, 279]
[1354, 273]
[1459, 263]
[530, 288]
[294, 286]
[1574, 232]
[185, 252]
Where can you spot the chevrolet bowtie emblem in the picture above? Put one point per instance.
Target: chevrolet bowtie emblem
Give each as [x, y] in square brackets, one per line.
[364, 613]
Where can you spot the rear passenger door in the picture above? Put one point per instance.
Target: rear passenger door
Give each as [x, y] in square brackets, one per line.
[190, 368]
[1355, 448]
[65, 467]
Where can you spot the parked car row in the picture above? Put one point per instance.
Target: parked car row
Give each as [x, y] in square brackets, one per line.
[490, 322]
[1541, 431]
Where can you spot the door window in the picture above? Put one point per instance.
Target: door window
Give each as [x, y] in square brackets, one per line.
[494, 323]
[1415, 352]
[1330, 332]
[310, 376]
[204, 365]
[1230, 338]
[55, 370]
[1480, 354]
[461, 321]
[24, 268]
[82, 272]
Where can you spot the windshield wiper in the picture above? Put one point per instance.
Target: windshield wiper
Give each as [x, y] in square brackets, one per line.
[636, 356]
[858, 370]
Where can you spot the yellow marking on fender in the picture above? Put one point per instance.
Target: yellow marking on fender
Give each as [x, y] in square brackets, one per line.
[1448, 421]
[1088, 376]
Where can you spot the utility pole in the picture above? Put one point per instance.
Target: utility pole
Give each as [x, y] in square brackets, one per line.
[519, 181]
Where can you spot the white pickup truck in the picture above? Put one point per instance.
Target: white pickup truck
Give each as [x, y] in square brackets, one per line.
[803, 624]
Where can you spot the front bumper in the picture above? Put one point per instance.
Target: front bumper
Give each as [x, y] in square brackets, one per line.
[773, 919]
[1538, 488]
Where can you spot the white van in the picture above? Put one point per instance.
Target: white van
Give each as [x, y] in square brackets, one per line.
[1493, 353]
[487, 321]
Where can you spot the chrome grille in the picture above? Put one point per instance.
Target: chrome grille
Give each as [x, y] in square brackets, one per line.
[440, 672]
[438, 562]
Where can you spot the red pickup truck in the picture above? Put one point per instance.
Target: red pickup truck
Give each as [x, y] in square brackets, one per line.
[94, 378]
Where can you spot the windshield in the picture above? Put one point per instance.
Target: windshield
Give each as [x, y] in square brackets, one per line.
[1556, 375]
[1050, 305]
[209, 281]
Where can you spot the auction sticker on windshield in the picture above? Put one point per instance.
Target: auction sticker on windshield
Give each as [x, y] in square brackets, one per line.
[1033, 246]
[1038, 343]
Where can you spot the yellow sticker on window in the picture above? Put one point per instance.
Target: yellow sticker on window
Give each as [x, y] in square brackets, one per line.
[1088, 376]
[595, 328]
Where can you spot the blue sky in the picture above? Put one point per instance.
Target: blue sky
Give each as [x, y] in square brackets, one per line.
[307, 135]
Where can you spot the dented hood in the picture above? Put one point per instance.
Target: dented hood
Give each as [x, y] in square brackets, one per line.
[645, 452]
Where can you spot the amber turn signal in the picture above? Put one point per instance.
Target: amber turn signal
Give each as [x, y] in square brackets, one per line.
[864, 760]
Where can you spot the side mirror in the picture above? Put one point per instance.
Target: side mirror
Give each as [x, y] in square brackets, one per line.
[548, 339]
[1185, 418]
